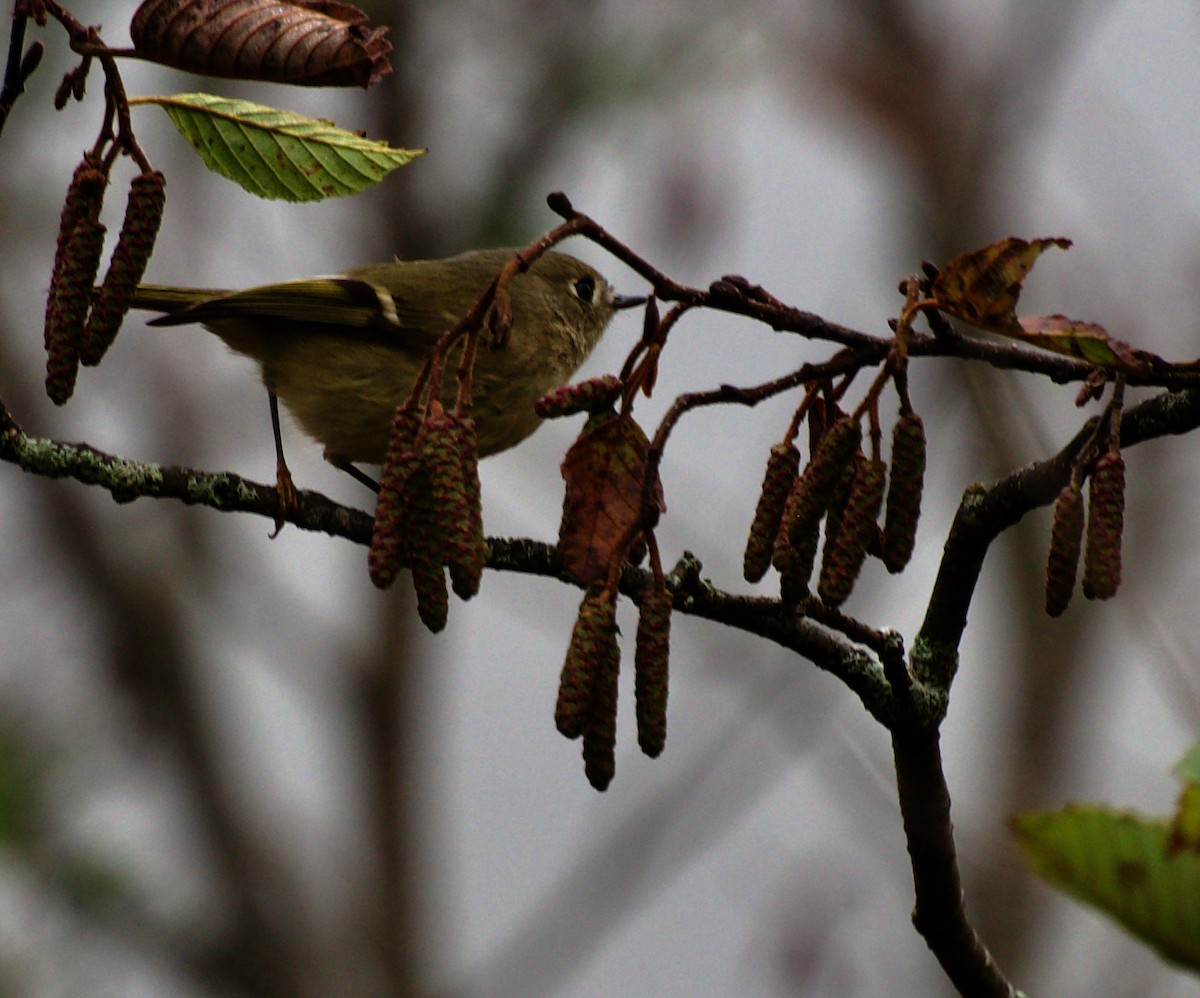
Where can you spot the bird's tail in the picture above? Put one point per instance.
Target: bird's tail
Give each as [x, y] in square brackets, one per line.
[168, 300]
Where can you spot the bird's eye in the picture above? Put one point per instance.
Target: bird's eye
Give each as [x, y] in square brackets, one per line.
[585, 288]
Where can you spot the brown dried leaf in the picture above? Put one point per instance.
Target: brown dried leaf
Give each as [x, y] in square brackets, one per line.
[604, 470]
[982, 286]
[314, 43]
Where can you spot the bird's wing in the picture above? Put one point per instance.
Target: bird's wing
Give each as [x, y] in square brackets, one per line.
[345, 302]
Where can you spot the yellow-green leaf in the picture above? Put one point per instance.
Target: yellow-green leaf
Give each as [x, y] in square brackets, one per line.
[279, 154]
[1120, 863]
[1085, 340]
[1188, 768]
[1185, 827]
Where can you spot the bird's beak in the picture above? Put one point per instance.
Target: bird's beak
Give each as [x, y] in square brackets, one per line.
[628, 301]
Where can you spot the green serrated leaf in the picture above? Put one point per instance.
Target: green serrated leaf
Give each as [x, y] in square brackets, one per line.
[1119, 863]
[279, 154]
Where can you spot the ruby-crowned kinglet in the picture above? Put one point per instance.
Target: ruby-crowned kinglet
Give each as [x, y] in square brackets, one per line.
[342, 352]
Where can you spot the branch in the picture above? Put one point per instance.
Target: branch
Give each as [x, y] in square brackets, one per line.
[940, 915]
[127, 480]
[985, 512]
[738, 296]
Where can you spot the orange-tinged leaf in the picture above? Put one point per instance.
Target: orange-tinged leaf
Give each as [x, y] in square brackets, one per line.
[604, 471]
[1085, 340]
[982, 286]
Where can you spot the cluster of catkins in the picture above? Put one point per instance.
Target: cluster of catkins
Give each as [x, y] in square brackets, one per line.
[428, 517]
[1105, 523]
[82, 321]
[587, 689]
[845, 488]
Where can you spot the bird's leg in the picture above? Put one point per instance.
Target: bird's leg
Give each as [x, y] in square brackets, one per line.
[340, 462]
[288, 499]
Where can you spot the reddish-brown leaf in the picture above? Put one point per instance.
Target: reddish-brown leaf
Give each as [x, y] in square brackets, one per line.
[604, 470]
[314, 43]
[982, 286]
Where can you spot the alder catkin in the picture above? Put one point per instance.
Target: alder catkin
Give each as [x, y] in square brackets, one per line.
[903, 508]
[389, 535]
[143, 217]
[783, 546]
[600, 721]
[838, 501]
[466, 549]
[448, 488]
[588, 638]
[795, 555]
[782, 467]
[76, 260]
[1105, 523]
[426, 549]
[820, 480]
[651, 669]
[1066, 536]
[846, 549]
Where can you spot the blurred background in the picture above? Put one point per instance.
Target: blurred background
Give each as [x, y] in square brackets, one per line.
[229, 766]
